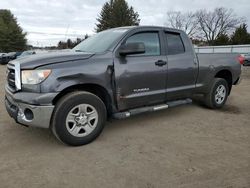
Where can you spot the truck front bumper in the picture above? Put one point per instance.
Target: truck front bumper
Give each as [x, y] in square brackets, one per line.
[35, 115]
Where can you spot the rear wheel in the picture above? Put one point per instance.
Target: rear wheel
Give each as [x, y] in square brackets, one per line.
[217, 96]
[79, 118]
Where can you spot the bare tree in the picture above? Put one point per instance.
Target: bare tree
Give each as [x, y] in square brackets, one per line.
[184, 21]
[215, 23]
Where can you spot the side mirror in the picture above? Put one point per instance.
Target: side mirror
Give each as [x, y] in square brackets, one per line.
[132, 48]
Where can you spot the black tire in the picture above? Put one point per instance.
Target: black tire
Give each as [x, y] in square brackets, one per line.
[210, 98]
[62, 109]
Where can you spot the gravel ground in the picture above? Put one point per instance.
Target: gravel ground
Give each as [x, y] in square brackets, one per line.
[187, 146]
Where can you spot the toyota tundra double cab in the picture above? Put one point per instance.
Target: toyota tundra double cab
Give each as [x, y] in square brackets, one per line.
[116, 73]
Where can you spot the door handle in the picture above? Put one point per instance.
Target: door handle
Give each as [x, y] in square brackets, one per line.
[160, 63]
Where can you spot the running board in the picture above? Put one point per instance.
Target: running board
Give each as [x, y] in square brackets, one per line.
[126, 114]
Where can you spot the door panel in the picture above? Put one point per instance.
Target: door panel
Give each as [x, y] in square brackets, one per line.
[182, 70]
[181, 76]
[139, 82]
[141, 79]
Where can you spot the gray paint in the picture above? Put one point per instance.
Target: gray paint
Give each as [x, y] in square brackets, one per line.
[41, 114]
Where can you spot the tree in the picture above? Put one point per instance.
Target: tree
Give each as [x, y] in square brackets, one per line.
[86, 36]
[183, 21]
[69, 43]
[215, 23]
[116, 13]
[62, 45]
[222, 39]
[12, 37]
[241, 36]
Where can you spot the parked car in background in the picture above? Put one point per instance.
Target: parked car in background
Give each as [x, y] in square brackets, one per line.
[3, 59]
[11, 55]
[247, 60]
[1, 54]
[26, 53]
[8, 57]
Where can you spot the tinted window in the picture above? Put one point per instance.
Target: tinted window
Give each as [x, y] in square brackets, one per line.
[175, 45]
[150, 40]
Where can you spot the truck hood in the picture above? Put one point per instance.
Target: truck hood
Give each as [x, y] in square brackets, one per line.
[34, 61]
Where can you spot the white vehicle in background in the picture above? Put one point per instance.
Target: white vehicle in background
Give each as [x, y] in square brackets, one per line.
[26, 53]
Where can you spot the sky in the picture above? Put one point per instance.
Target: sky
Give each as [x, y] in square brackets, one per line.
[49, 21]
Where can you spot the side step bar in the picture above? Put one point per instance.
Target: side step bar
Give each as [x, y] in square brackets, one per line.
[126, 114]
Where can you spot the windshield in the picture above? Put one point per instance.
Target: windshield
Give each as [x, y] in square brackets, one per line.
[100, 42]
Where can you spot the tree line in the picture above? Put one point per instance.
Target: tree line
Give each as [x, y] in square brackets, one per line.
[220, 26]
[70, 43]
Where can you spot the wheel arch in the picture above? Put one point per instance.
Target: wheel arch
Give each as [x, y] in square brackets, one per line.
[227, 75]
[95, 89]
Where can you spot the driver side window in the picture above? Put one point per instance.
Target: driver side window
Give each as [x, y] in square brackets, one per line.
[150, 40]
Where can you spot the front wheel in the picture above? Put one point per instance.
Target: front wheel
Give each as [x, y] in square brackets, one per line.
[217, 96]
[79, 118]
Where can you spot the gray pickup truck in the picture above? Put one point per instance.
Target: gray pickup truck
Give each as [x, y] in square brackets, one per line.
[115, 73]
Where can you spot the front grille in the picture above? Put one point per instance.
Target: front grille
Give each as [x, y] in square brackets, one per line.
[11, 77]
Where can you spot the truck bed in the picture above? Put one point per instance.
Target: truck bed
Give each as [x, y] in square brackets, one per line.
[214, 62]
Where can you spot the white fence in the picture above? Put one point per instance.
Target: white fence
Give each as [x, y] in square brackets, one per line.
[242, 49]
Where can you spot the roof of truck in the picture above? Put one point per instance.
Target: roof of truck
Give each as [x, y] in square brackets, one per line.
[149, 27]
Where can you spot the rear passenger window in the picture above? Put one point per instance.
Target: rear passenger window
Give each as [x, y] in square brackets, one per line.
[174, 44]
[150, 40]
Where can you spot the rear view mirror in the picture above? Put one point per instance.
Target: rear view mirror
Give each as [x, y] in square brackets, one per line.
[132, 48]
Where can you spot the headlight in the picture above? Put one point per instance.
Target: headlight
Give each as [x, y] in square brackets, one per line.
[34, 76]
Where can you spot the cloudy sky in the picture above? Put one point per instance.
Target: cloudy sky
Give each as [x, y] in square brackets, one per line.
[48, 21]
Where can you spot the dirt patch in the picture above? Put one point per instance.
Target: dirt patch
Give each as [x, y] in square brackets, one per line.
[231, 109]
[246, 72]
